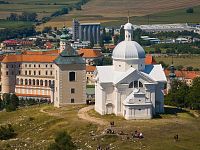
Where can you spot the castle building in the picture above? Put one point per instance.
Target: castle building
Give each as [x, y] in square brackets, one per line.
[129, 88]
[54, 75]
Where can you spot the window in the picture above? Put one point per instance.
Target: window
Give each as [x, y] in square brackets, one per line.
[72, 76]
[46, 72]
[140, 84]
[34, 72]
[19, 72]
[30, 65]
[25, 72]
[72, 90]
[6, 72]
[72, 100]
[34, 66]
[6, 66]
[51, 72]
[131, 85]
[51, 66]
[46, 66]
[29, 72]
[135, 84]
[39, 65]
[25, 65]
[38, 72]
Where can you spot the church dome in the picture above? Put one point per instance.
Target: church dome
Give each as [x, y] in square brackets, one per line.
[128, 50]
[128, 26]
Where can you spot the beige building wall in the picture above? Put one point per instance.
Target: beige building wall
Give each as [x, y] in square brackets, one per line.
[64, 87]
[28, 79]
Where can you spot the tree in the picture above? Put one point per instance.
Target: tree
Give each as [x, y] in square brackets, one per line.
[190, 68]
[7, 132]
[63, 141]
[11, 102]
[190, 10]
[193, 98]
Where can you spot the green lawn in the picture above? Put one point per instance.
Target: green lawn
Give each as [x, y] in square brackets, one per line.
[39, 132]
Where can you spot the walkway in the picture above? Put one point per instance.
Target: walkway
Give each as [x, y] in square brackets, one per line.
[82, 113]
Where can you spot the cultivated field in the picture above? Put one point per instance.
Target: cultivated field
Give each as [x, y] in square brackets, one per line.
[114, 12]
[42, 7]
[36, 127]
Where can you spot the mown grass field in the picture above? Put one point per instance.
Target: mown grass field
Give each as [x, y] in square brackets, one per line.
[38, 132]
[185, 61]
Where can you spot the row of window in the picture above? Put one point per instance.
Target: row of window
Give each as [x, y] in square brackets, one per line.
[39, 72]
[34, 82]
[136, 84]
[30, 73]
[28, 65]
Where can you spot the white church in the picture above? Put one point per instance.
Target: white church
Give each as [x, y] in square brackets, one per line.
[129, 88]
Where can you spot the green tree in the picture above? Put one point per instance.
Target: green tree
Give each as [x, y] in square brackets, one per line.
[63, 141]
[193, 98]
[7, 132]
[190, 10]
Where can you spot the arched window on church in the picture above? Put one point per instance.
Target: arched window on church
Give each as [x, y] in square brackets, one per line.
[140, 84]
[131, 85]
[135, 84]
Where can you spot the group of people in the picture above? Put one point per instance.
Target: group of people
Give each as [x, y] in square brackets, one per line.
[137, 134]
[100, 148]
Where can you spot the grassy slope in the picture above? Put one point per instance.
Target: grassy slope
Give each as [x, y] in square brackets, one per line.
[114, 12]
[37, 134]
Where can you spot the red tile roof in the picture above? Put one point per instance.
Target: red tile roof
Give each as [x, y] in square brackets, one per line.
[184, 74]
[90, 53]
[149, 59]
[90, 68]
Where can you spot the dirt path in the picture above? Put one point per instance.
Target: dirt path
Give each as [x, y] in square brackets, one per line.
[82, 113]
[51, 114]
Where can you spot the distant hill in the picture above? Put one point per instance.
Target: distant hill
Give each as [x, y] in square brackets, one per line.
[116, 11]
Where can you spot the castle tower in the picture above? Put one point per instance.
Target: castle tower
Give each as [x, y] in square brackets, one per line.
[9, 71]
[70, 78]
[63, 39]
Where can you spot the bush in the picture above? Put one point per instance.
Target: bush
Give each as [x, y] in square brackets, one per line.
[63, 141]
[7, 132]
[190, 10]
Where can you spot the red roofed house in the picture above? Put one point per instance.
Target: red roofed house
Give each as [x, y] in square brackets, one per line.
[90, 55]
[90, 74]
[183, 75]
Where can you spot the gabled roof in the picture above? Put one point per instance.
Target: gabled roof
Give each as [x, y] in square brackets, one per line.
[155, 72]
[90, 53]
[152, 74]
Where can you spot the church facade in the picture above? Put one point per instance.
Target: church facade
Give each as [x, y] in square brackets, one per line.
[129, 88]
